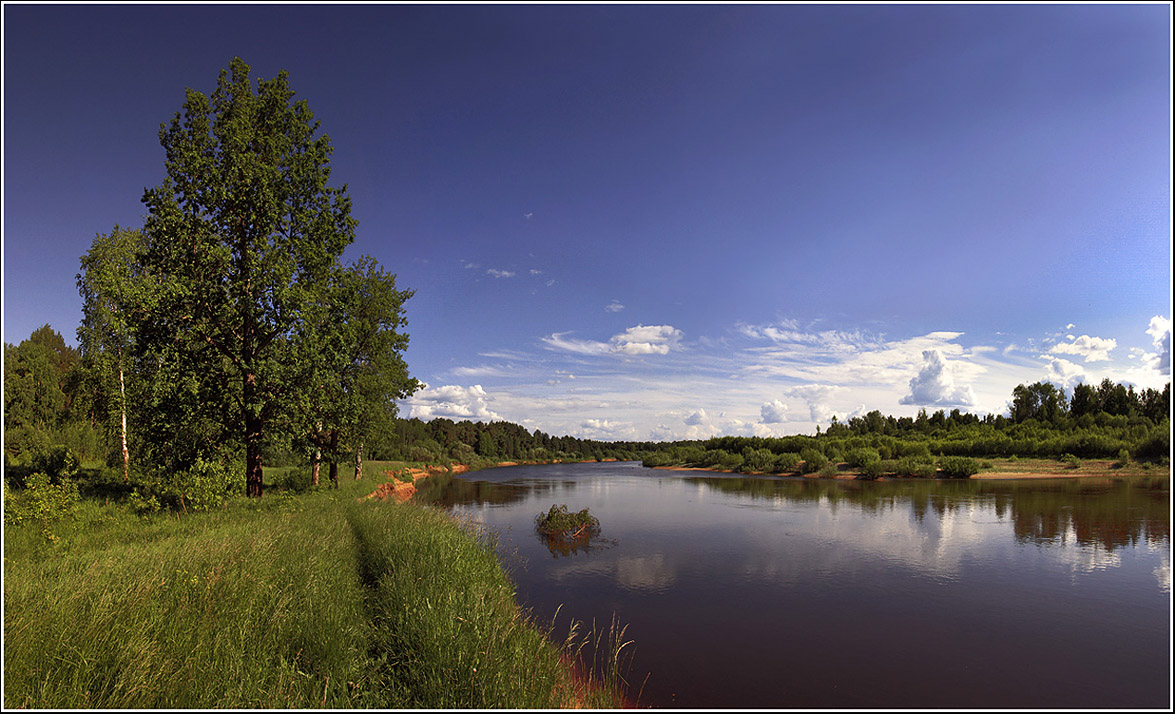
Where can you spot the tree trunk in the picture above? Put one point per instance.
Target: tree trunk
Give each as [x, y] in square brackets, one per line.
[359, 461]
[334, 465]
[314, 467]
[126, 457]
[253, 427]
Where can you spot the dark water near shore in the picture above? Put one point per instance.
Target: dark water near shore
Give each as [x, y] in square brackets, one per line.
[791, 593]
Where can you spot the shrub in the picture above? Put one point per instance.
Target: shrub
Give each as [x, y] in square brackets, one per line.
[828, 470]
[1070, 461]
[1123, 458]
[958, 466]
[58, 463]
[43, 502]
[208, 484]
[786, 462]
[813, 460]
[874, 469]
[858, 458]
[559, 523]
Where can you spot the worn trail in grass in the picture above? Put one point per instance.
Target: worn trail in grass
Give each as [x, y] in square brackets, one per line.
[315, 601]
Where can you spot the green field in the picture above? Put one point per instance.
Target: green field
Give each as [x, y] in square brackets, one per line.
[317, 600]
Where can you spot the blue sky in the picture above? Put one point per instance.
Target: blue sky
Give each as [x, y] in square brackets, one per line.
[657, 222]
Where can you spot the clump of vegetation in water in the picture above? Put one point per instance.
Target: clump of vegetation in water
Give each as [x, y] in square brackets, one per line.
[559, 523]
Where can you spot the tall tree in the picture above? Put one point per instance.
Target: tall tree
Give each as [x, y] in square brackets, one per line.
[111, 287]
[353, 348]
[242, 235]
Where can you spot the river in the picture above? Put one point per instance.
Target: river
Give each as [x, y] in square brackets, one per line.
[761, 592]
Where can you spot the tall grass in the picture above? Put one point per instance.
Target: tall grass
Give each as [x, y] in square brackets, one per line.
[318, 601]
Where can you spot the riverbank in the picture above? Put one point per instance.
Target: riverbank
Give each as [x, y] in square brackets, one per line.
[319, 600]
[1001, 469]
[403, 486]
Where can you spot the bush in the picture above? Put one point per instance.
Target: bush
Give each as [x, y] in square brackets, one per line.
[828, 470]
[43, 502]
[208, 484]
[958, 466]
[813, 460]
[786, 462]
[858, 458]
[58, 463]
[874, 469]
[1123, 458]
[559, 523]
[1070, 461]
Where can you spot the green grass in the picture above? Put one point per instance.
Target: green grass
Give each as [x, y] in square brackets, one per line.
[311, 601]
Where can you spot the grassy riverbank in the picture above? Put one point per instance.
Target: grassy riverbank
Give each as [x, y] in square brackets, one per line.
[319, 600]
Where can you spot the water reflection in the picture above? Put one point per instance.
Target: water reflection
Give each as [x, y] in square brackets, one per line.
[753, 592]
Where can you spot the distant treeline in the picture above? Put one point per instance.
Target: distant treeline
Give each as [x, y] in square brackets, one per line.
[471, 442]
[1107, 421]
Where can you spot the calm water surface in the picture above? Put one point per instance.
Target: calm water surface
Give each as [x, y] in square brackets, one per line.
[793, 593]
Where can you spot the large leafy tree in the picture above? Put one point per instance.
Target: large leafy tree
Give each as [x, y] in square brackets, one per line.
[242, 236]
[353, 349]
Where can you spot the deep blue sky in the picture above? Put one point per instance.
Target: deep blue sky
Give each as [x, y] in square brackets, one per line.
[665, 221]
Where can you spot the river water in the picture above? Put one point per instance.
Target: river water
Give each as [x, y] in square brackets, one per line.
[761, 592]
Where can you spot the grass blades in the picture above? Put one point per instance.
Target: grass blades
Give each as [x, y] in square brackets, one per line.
[319, 601]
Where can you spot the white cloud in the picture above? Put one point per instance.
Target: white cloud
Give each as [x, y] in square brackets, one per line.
[639, 340]
[1160, 332]
[646, 339]
[500, 273]
[1093, 349]
[614, 306]
[1064, 373]
[535, 272]
[451, 402]
[773, 412]
[934, 385]
[696, 418]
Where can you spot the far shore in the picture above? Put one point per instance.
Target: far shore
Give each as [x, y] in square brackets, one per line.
[1097, 471]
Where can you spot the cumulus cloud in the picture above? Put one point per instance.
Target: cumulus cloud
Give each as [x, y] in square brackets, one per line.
[697, 418]
[935, 386]
[451, 402]
[1093, 349]
[773, 412]
[500, 273]
[1160, 332]
[646, 339]
[639, 340]
[614, 306]
[1064, 373]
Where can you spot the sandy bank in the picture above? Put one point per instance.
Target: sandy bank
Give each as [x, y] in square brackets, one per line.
[984, 476]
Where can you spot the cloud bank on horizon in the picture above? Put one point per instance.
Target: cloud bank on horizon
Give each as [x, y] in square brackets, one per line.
[650, 383]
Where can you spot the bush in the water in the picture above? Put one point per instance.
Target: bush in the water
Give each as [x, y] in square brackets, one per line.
[560, 523]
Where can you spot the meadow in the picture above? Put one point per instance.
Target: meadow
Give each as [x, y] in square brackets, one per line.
[313, 599]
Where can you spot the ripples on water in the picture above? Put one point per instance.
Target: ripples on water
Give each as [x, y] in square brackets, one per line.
[797, 593]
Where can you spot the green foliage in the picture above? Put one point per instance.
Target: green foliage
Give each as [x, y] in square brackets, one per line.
[209, 484]
[828, 470]
[559, 523]
[43, 502]
[243, 237]
[59, 462]
[958, 466]
[786, 462]
[813, 460]
[1123, 458]
[1070, 461]
[859, 458]
[876, 468]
